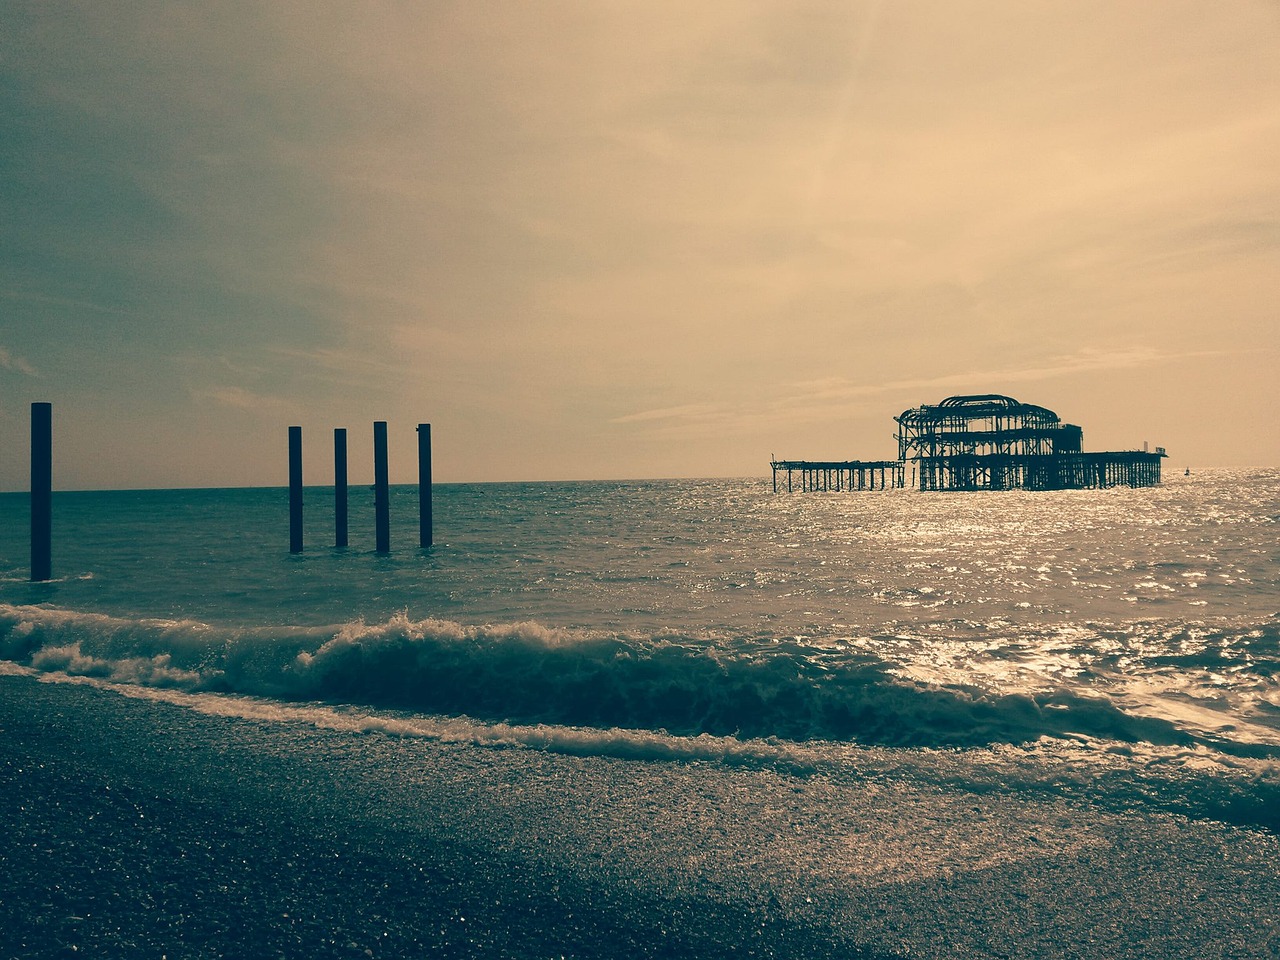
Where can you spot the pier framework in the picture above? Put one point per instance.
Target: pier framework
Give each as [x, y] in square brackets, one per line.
[1067, 471]
[983, 442]
[838, 475]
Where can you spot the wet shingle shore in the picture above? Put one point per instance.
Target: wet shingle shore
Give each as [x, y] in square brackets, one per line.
[137, 828]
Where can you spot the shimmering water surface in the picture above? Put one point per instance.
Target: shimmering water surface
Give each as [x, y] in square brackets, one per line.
[1113, 622]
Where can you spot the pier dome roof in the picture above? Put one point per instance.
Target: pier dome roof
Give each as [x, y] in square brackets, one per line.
[979, 407]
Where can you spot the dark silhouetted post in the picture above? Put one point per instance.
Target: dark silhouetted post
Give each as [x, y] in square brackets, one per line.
[41, 491]
[424, 485]
[339, 487]
[295, 489]
[381, 503]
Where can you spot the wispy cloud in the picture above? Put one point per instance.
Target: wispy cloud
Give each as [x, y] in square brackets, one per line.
[804, 395]
[69, 302]
[240, 398]
[701, 412]
[832, 399]
[16, 364]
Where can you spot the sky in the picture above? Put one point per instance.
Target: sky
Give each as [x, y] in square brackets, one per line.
[608, 240]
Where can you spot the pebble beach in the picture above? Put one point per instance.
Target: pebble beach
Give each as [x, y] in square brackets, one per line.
[143, 828]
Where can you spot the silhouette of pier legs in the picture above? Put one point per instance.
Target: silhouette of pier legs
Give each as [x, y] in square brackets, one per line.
[425, 533]
[41, 491]
[295, 489]
[381, 493]
[381, 488]
[823, 476]
[339, 487]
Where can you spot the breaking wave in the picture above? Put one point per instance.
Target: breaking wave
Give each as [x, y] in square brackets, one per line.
[526, 673]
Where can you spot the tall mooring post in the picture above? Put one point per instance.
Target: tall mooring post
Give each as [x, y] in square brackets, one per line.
[41, 491]
[339, 487]
[425, 523]
[295, 489]
[381, 494]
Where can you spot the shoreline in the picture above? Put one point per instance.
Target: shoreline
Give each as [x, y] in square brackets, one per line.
[140, 827]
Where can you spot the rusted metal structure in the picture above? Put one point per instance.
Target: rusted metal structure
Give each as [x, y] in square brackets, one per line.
[985, 442]
[839, 475]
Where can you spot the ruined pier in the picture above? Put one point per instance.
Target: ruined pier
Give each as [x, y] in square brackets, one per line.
[838, 475]
[983, 442]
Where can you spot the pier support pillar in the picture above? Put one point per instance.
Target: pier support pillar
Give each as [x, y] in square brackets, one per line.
[41, 491]
[381, 493]
[295, 489]
[339, 487]
[425, 520]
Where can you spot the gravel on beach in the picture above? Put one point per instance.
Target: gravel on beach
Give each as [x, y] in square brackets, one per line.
[139, 828]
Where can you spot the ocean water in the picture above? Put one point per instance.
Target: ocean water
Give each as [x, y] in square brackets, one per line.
[1122, 645]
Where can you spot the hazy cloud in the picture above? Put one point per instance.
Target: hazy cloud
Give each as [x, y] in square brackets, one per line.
[239, 398]
[15, 364]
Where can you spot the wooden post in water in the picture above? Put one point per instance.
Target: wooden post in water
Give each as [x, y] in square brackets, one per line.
[425, 533]
[41, 491]
[295, 489]
[381, 494]
[339, 487]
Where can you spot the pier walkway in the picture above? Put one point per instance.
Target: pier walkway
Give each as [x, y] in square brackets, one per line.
[838, 475]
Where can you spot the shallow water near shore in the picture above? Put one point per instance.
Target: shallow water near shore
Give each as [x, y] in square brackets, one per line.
[1121, 643]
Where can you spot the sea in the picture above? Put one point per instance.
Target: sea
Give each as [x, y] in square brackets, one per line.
[1120, 646]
